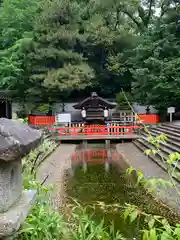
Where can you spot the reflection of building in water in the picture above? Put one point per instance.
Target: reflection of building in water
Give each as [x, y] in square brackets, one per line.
[93, 157]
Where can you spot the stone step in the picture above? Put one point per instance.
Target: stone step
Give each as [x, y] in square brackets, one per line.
[143, 145]
[168, 132]
[171, 125]
[155, 159]
[167, 148]
[164, 148]
[170, 137]
[150, 146]
[173, 145]
[164, 151]
[170, 128]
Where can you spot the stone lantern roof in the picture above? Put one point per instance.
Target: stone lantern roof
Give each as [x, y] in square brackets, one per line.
[16, 139]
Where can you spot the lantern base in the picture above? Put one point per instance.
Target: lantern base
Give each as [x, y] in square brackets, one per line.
[11, 220]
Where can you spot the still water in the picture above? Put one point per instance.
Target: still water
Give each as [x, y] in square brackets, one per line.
[93, 180]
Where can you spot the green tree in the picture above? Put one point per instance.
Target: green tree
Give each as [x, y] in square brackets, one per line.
[124, 100]
[106, 33]
[130, 20]
[156, 62]
[15, 39]
[153, 61]
[56, 64]
[51, 50]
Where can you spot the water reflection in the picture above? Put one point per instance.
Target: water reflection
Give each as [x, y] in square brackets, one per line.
[98, 175]
[84, 157]
[95, 178]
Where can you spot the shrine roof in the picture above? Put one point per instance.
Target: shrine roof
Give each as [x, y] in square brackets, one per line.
[95, 100]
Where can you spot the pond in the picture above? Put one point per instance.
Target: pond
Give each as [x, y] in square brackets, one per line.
[94, 179]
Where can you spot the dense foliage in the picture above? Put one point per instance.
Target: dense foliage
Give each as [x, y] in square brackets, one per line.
[56, 49]
[157, 62]
[124, 100]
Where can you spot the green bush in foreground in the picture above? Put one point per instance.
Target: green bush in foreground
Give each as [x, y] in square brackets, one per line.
[45, 224]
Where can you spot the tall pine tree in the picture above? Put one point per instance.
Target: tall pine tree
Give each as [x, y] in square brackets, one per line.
[56, 64]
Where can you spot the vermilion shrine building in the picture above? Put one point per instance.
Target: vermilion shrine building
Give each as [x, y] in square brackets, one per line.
[94, 107]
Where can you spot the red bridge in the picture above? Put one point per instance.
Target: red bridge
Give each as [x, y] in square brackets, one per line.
[96, 132]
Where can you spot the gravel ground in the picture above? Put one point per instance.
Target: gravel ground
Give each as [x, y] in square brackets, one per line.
[55, 167]
[138, 160]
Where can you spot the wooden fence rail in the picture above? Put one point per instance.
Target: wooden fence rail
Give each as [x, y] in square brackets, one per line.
[96, 130]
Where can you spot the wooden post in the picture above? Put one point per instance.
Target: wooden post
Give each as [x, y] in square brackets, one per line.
[170, 117]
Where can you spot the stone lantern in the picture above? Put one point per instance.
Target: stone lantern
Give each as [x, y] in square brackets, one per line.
[16, 140]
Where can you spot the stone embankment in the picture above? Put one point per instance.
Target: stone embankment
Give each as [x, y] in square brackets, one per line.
[134, 158]
[53, 170]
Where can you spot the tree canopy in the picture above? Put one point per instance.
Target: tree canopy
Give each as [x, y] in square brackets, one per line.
[156, 63]
[53, 50]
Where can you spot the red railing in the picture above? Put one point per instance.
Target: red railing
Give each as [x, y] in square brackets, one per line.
[96, 130]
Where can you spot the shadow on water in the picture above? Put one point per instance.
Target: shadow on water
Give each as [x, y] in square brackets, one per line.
[92, 180]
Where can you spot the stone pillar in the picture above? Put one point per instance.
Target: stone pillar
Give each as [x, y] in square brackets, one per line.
[16, 140]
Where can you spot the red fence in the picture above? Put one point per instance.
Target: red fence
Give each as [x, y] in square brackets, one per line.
[42, 120]
[97, 130]
[50, 120]
[149, 118]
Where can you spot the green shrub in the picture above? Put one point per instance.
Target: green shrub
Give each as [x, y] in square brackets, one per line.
[124, 100]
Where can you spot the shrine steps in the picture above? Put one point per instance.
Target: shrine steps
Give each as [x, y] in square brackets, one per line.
[171, 145]
[170, 130]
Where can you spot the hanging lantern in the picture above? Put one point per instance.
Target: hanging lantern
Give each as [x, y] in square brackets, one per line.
[106, 113]
[83, 113]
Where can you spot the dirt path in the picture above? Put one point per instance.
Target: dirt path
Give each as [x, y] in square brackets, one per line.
[138, 160]
[55, 167]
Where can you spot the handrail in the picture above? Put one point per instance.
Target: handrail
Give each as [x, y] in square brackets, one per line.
[96, 130]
